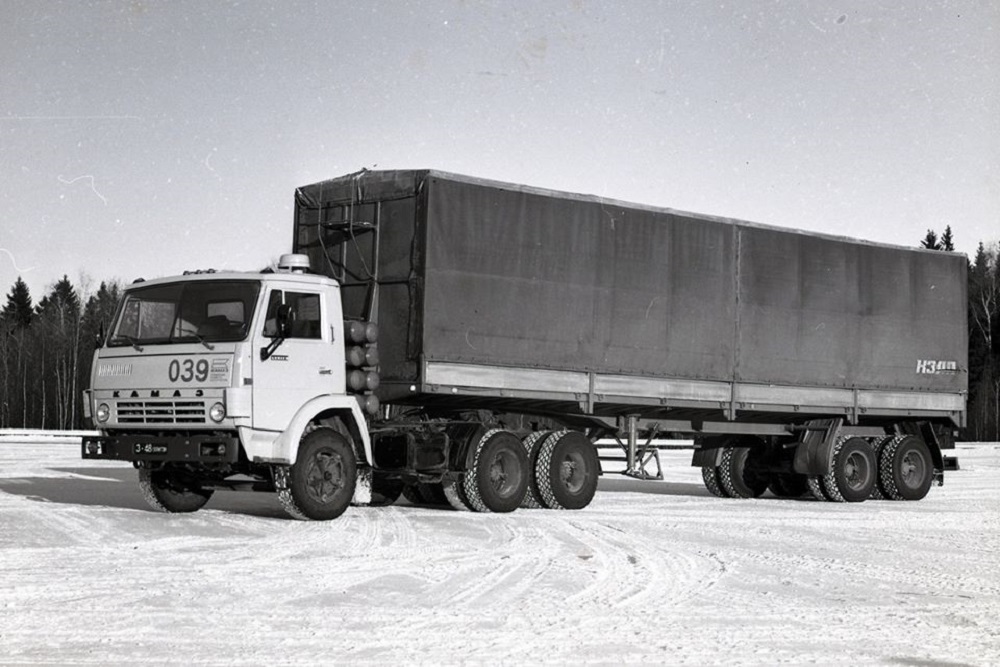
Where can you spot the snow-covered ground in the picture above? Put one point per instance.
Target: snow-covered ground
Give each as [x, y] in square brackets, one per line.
[654, 572]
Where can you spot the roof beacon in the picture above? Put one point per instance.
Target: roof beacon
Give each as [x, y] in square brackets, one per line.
[293, 263]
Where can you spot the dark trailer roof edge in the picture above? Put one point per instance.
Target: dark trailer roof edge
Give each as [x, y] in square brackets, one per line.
[419, 175]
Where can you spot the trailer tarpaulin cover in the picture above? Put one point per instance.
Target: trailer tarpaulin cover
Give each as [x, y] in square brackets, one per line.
[480, 272]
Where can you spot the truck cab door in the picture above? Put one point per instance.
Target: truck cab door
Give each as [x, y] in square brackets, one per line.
[292, 363]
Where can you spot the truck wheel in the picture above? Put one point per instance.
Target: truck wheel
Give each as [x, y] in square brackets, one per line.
[454, 491]
[499, 475]
[852, 474]
[816, 490]
[878, 446]
[789, 485]
[566, 471]
[320, 484]
[738, 476]
[710, 475]
[532, 444]
[385, 491]
[906, 470]
[168, 491]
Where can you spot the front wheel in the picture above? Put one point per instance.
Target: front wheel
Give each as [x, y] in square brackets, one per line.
[320, 484]
[168, 489]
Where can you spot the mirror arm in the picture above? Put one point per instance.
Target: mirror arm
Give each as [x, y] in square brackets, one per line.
[266, 352]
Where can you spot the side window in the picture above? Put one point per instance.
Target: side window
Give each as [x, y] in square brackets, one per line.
[307, 316]
[307, 322]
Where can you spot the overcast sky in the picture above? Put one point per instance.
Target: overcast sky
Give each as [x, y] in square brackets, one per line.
[144, 138]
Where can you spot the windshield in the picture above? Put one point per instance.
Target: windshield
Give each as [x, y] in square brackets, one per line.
[199, 311]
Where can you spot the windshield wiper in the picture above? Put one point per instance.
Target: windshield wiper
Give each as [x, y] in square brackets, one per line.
[134, 342]
[201, 339]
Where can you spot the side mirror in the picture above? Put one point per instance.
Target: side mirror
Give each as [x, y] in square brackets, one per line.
[99, 338]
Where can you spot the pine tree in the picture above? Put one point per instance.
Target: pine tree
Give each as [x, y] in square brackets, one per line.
[931, 241]
[18, 310]
[947, 243]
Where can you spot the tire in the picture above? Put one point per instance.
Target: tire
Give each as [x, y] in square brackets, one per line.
[454, 492]
[710, 475]
[789, 485]
[532, 444]
[385, 491]
[737, 475]
[168, 490]
[498, 478]
[816, 490]
[906, 469]
[852, 473]
[320, 484]
[567, 471]
[878, 445]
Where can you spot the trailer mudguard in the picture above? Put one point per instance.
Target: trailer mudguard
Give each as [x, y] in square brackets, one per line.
[814, 453]
[286, 446]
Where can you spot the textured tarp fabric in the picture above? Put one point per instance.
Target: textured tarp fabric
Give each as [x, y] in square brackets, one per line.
[490, 273]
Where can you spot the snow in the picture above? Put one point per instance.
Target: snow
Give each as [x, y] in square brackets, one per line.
[652, 572]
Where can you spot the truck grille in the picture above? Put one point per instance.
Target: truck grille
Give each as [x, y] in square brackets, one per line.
[162, 412]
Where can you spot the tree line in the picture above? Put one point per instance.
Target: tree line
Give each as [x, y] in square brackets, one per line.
[46, 349]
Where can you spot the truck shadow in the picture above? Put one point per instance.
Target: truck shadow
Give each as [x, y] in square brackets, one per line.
[118, 488]
[621, 484]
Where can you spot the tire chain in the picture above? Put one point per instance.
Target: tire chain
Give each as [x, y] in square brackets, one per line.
[886, 479]
[829, 481]
[816, 487]
[470, 481]
[879, 448]
[726, 472]
[542, 478]
[146, 486]
[710, 475]
[530, 441]
[283, 488]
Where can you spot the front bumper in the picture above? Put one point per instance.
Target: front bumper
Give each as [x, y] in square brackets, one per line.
[182, 447]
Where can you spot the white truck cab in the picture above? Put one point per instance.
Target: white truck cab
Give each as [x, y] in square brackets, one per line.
[209, 375]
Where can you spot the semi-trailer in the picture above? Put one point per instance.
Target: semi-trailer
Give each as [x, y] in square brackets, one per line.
[466, 341]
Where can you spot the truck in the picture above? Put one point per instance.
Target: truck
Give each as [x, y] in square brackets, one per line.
[467, 342]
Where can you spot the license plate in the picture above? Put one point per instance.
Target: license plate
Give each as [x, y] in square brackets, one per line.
[140, 448]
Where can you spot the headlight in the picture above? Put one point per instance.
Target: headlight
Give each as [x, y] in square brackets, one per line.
[217, 412]
[103, 413]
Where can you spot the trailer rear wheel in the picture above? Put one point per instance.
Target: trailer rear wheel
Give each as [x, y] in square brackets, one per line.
[738, 474]
[167, 490]
[320, 484]
[710, 475]
[498, 478]
[852, 473]
[532, 444]
[567, 470]
[906, 469]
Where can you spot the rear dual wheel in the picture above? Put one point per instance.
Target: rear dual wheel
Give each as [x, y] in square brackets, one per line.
[498, 478]
[905, 468]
